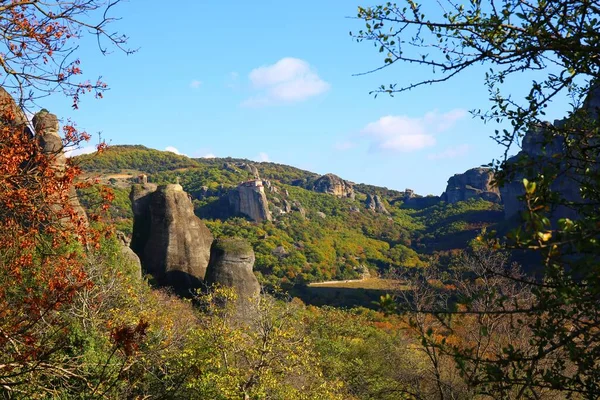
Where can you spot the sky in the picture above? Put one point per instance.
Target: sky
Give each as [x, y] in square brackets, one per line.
[277, 81]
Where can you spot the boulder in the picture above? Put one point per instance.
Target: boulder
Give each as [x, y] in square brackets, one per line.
[249, 198]
[475, 183]
[333, 184]
[231, 263]
[171, 241]
[129, 255]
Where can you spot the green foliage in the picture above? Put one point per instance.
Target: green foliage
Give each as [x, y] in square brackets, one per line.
[556, 43]
[139, 158]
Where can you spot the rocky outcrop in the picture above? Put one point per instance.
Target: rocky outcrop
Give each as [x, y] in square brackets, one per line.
[333, 184]
[553, 156]
[250, 168]
[48, 137]
[129, 255]
[537, 153]
[475, 183]
[231, 263]
[12, 114]
[172, 243]
[375, 204]
[249, 199]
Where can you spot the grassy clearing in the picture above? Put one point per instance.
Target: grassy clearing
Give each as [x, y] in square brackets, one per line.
[368, 283]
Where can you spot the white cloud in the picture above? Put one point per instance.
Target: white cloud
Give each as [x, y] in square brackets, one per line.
[289, 80]
[195, 84]
[404, 134]
[344, 145]
[262, 157]
[77, 151]
[174, 150]
[209, 155]
[450, 152]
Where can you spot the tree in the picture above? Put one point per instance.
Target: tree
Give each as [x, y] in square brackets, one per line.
[39, 39]
[43, 238]
[558, 41]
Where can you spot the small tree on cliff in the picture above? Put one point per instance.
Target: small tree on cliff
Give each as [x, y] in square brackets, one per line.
[41, 234]
[559, 41]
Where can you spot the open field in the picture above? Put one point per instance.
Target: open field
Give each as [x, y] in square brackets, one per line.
[368, 283]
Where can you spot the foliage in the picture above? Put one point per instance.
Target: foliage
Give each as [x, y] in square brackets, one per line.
[39, 39]
[556, 41]
[139, 158]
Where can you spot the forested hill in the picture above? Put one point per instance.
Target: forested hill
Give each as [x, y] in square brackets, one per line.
[322, 227]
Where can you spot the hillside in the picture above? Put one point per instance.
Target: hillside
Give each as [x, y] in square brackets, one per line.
[314, 236]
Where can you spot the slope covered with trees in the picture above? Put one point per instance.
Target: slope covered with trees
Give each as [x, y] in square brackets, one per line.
[331, 238]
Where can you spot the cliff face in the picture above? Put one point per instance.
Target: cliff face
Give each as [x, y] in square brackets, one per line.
[333, 184]
[542, 152]
[475, 183]
[536, 154]
[172, 243]
[249, 198]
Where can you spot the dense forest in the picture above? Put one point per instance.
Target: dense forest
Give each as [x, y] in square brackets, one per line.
[332, 238]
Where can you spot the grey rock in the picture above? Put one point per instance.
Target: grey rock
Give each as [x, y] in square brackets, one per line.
[472, 184]
[321, 214]
[249, 199]
[280, 252]
[48, 137]
[231, 263]
[287, 206]
[333, 184]
[172, 242]
[375, 204]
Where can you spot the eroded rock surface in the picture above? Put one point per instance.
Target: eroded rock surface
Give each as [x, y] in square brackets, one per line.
[475, 183]
[171, 241]
[231, 263]
[249, 198]
[333, 184]
[375, 204]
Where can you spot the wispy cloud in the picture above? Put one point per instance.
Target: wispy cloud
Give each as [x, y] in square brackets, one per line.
[400, 133]
[209, 155]
[195, 84]
[77, 151]
[451, 152]
[289, 80]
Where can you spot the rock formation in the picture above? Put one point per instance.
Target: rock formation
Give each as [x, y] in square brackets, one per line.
[475, 183]
[375, 204]
[250, 168]
[172, 243]
[249, 199]
[12, 114]
[47, 135]
[540, 153]
[333, 184]
[231, 263]
[129, 254]
[537, 153]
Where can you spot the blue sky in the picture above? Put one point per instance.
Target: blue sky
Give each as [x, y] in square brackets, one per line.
[273, 80]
